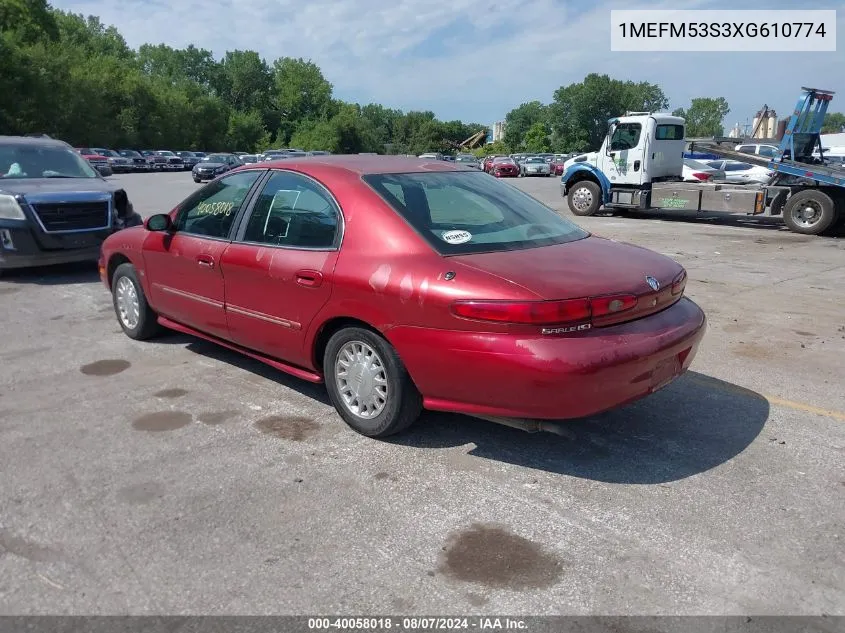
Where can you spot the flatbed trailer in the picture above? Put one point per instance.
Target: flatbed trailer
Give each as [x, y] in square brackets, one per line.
[809, 195]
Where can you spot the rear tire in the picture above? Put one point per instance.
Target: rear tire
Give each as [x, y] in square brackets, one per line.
[584, 198]
[809, 212]
[135, 316]
[368, 384]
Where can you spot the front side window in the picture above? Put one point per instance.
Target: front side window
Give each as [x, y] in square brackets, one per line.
[43, 161]
[737, 167]
[469, 212]
[625, 136]
[747, 149]
[211, 211]
[767, 151]
[295, 211]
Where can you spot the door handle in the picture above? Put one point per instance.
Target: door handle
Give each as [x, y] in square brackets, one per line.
[309, 278]
[206, 261]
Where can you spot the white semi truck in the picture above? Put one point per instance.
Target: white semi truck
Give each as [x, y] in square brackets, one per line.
[640, 163]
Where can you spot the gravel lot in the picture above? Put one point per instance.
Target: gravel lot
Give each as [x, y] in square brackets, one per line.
[175, 477]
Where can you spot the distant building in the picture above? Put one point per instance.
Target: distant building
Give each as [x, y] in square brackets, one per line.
[736, 131]
[498, 131]
[765, 124]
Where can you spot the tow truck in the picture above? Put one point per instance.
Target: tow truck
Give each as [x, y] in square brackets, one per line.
[640, 164]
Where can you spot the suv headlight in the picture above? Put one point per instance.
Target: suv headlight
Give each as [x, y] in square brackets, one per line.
[10, 209]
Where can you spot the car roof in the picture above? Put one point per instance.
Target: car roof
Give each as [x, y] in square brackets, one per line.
[363, 165]
[32, 140]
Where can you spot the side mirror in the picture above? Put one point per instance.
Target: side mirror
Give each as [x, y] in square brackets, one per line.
[159, 222]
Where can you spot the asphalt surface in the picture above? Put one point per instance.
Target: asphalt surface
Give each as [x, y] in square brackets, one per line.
[172, 477]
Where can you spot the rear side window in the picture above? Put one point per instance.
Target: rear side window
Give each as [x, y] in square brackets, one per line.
[767, 151]
[737, 167]
[469, 212]
[747, 149]
[669, 133]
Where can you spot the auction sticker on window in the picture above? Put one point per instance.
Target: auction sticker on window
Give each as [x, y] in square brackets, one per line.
[456, 237]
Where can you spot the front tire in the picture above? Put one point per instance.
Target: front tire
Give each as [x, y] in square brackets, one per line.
[368, 383]
[135, 316]
[584, 198]
[809, 212]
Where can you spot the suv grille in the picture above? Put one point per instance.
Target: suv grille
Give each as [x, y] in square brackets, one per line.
[73, 216]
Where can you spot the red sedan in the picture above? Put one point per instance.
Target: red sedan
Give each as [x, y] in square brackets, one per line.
[504, 167]
[557, 167]
[406, 284]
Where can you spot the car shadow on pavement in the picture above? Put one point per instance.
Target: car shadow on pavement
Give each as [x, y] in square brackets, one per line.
[219, 353]
[56, 275]
[691, 426]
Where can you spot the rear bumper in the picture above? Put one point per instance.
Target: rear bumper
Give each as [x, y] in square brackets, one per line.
[551, 378]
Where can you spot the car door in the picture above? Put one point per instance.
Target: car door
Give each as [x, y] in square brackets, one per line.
[625, 153]
[279, 270]
[183, 266]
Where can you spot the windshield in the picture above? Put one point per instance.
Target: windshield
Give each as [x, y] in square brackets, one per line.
[217, 158]
[186, 154]
[200, 154]
[535, 160]
[43, 161]
[128, 153]
[464, 159]
[165, 153]
[468, 212]
[503, 160]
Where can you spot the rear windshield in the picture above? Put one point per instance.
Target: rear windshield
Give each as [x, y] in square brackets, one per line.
[470, 212]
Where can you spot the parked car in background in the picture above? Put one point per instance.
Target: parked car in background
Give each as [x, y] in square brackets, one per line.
[200, 155]
[557, 166]
[174, 162]
[487, 163]
[274, 154]
[431, 156]
[535, 166]
[467, 160]
[139, 163]
[697, 171]
[319, 152]
[538, 319]
[118, 163]
[214, 165]
[189, 159]
[758, 149]
[97, 161]
[504, 167]
[155, 161]
[249, 159]
[742, 173]
[55, 207]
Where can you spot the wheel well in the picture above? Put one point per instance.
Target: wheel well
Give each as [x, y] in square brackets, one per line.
[327, 331]
[578, 177]
[115, 261]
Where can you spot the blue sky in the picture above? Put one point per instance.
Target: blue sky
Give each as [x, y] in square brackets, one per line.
[474, 59]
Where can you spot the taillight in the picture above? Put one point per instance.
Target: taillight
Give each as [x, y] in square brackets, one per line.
[544, 312]
[679, 283]
[702, 176]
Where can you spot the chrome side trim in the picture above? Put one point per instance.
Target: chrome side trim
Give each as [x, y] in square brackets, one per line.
[188, 295]
[293, 325]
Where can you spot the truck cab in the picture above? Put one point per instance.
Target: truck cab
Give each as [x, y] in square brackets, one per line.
[639, 148]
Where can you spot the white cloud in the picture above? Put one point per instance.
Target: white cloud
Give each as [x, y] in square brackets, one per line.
[510, 52]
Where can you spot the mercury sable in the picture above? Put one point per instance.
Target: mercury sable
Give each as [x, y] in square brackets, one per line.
[407, 284]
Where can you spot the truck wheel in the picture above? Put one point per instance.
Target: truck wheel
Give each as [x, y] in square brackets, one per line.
[584, 198]
[136, 317]
[368, 384]
[809, 212]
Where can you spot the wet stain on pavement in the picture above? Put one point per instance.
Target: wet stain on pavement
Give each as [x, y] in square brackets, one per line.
[26, 352]
[752, 351]
[171, 393]
[161, 421]
[476, 599]
[213, 418]
[292, 428]
[138, 494]
[494, 557]
[108, 367]
[15, 545]
[803, 333]
[8, 291]
[58, 317]
[381, 476]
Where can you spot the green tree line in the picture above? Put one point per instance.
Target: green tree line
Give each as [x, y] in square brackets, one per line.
[74, 78]
[576, 119]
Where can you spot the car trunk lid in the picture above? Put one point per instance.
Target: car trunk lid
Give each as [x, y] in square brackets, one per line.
[592, 268]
